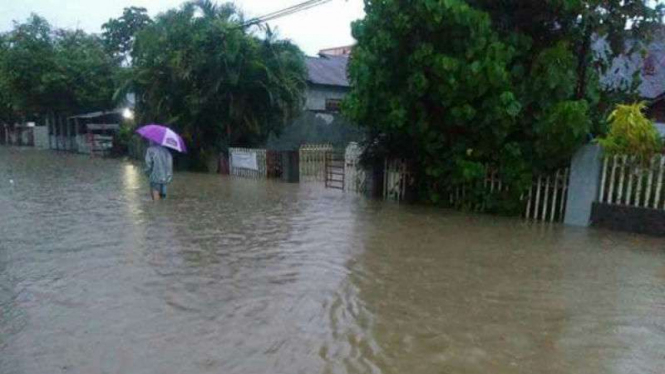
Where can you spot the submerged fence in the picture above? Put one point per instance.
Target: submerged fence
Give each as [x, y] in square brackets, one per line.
[545, 200]
[627, 181]
[355, 176]
[396, 178]
[313, 162]
[248, 162]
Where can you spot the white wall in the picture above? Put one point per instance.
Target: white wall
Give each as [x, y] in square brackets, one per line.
[317, 95]
[41, 137]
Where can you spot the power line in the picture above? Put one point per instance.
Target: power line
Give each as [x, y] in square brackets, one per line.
[293, 7]
[285, 12]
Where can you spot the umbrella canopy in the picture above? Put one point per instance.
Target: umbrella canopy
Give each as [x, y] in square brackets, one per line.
[163, 136]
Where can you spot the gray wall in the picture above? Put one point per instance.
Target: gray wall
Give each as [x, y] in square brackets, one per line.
[584, 185]
[41, 137]
[316, 128]
[317, 95]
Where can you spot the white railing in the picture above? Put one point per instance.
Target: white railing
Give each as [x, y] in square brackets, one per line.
[355, 177]
[313, 162]
[396, 177]
[262, 169]
[626, 181]
[545, 201]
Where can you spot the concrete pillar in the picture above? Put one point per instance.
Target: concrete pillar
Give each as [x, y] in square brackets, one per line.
[77, 129]
[61, 135]
[584, 185]
[75, 132]
[58, 133]
[48, 130]
[68, 135]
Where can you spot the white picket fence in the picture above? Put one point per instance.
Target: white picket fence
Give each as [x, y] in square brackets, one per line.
[262, 171]
[396, 178]
[355, 177]
[545, 201]
[626, 181]
[313, 162]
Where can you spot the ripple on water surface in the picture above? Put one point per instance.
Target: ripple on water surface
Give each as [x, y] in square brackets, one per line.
[244, 276]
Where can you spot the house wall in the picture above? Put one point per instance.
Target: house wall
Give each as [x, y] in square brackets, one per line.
[315, 128]
[657, 111]
[317, 95]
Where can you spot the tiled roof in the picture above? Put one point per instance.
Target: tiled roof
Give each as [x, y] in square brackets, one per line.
[328, 70]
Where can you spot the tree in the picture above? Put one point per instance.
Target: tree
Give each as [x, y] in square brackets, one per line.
[28, 67]
[87, 72]
[197, 69]
[7, 111]
[458, 86]
[45, 71]
[119, 33]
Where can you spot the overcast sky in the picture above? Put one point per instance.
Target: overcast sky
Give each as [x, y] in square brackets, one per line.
[322, 27]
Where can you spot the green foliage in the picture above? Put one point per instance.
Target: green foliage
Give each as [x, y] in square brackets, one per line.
[632, 133]
[85, 72]
[45, 70]
[458, 86]
[198, 70]
[28, 67]
[119, 33]
[562, 129]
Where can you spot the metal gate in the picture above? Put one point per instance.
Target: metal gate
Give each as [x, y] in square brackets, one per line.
[335, 170]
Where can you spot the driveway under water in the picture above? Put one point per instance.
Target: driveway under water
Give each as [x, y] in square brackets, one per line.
[244, 276]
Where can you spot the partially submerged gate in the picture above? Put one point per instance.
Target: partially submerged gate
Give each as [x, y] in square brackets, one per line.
[335, 170]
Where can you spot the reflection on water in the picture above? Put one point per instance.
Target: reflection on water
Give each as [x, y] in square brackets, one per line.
[243, 276]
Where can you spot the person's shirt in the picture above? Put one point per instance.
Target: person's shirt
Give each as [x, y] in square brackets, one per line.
[159, 164]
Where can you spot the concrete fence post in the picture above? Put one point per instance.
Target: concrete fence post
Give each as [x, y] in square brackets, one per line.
[584, 185]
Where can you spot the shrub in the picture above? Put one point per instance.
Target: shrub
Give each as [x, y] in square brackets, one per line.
[632, 133]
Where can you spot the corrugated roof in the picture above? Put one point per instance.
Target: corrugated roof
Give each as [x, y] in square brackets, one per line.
[97, 114]
[328, 70]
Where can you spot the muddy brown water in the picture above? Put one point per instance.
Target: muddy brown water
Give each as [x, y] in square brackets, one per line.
[244, 276]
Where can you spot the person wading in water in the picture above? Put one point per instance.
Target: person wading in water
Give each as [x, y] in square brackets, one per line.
[159, 168]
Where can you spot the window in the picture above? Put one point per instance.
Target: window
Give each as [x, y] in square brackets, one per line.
[650, 65]
[333, 105]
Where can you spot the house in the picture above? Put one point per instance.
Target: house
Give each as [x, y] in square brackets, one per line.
[650, 65]
[327, 81]
[321, 121]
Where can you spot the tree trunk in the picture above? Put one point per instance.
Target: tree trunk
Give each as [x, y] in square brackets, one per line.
[583, 63]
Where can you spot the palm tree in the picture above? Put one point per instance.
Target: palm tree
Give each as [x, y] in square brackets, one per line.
[217, 82]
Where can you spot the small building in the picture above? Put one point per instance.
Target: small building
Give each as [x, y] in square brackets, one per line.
[321, 121]
[337, 51]
[18, 134]
[327, 82]
[89, 133]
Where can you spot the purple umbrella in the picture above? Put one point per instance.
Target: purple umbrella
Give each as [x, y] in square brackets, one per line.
[164, 136]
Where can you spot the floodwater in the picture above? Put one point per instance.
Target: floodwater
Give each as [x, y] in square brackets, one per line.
[241, 276]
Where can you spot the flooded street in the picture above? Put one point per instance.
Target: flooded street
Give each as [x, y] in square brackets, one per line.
[243, 276]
